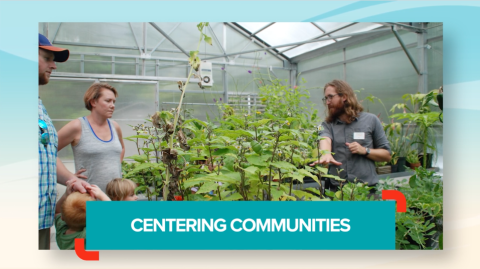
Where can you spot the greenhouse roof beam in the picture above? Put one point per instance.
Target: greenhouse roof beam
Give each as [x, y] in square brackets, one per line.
[246, 45]
[410, 58]
[135, 37]
[326, 34]
[56, 32]
[218, 42]
[169, 38]
[406, 27]
[122, 77]
[126, 47]
[164, 38]
[321, 29]
[368, 56]
[340, 45]
[304, 42]
[255, 39]
[164, 59]
[263, 28]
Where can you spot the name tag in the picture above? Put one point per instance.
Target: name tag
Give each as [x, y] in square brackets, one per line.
[358, 135]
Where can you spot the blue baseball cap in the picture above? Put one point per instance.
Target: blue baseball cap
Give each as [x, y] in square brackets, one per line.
[61, 55]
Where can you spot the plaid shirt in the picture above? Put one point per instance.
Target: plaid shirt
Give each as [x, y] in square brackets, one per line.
[47, 172]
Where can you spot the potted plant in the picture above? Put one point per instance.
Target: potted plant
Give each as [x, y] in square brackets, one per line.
[383, 168]
[420, 114]
[412, 158]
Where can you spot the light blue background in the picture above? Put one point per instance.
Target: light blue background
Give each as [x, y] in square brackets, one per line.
[18, 107]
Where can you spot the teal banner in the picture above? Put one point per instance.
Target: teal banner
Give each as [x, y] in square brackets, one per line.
[184, 225]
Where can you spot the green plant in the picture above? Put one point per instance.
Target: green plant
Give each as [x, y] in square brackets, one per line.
[380, 164]
[351, 191]
[421, 114]
[412, 156]
[257, 156]
[421, 224]
[147, 169]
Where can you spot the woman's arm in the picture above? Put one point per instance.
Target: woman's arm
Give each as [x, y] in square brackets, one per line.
[69, 134]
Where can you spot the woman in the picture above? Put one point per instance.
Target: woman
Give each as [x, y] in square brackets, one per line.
[96, 141]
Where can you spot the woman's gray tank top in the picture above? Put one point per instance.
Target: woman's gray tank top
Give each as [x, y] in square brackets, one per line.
[100, 158]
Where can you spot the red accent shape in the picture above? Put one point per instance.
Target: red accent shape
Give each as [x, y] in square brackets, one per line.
[82, 254]
[397, 196]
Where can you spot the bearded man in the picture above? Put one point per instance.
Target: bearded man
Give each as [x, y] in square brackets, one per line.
[48, 175]
[356, 138]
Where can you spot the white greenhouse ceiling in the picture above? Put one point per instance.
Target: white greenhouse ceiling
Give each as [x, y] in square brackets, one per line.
[274, 34]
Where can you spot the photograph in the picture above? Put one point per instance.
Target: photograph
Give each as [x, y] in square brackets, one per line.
[317, 112]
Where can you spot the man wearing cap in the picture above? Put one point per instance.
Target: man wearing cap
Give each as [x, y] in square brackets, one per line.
[48, 175]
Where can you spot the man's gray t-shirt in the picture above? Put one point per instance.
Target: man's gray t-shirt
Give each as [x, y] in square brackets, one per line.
[367, 130]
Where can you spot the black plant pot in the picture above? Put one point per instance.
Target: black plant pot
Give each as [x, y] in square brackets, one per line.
[401, 163]
[440, 100]
[429, 159]
[395, 168]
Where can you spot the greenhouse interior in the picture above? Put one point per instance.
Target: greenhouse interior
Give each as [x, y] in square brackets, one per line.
[233, 111]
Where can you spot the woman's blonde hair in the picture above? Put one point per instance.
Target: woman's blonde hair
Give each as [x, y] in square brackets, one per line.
[74, 210]
[119, 188]
[94, 92]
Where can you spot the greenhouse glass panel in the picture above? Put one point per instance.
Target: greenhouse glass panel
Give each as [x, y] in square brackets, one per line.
[97, 33]
[387, 77]
[124, 68]
[316, 80]
[253, 26]
[63, 99]
[173, 69]
[435, 65]
[330, 26]
[434, 29]
[357, 28]
[288, 32]
[97, 64]
[134, 101]
[382, 43]
[241, 80]
[73, 64]
[307, 47]
[323, 60]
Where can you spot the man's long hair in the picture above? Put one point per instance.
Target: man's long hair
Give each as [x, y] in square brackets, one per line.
[351, 106]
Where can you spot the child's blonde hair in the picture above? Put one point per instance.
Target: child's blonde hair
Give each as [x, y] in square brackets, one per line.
[74, 210]
[119, 188]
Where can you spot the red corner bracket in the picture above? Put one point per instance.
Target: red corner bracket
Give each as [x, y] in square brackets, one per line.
[82, 254]
[397, 196]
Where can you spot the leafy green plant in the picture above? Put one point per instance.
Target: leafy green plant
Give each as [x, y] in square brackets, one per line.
[147, 169]
[412, 156]
[351, 191]
[420, 113]
[421, 224]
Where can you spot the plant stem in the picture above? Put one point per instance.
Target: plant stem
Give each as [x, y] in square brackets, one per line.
[425, 138]
[177, 114]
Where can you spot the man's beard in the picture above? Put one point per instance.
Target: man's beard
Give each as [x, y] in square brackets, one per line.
[43, 79]
[335, 112]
